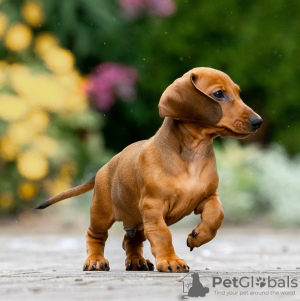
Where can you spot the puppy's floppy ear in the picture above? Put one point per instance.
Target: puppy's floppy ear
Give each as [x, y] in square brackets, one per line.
[183, 100]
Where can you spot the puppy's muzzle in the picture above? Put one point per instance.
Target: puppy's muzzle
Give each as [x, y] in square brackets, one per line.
[255, 122]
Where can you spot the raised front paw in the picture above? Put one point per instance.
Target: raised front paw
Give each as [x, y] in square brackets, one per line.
[138, 264]
[197, 238]
[96, 263]
[171, 264]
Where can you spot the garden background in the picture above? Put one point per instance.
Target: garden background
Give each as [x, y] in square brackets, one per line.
[80, 80]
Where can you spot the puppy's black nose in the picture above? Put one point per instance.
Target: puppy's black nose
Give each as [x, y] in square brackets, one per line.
[256, 122]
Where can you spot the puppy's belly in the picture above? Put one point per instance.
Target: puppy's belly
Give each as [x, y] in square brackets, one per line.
[125, 202]
[131, 217]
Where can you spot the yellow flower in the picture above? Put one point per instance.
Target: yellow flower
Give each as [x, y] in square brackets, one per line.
[32, 12]
[8, 148]
[76, 102]
[45, 145]
[59, 60]
[3, 24]
[3, 73]
[44, 42]
[41, 90]
[72, 82]
[32, 165]
[63, 181]
[6, 200]
[27, 190]
[38, 120]
[18, 68]
[18, 37]
[21, 132]
[59, 185]
[12, 107]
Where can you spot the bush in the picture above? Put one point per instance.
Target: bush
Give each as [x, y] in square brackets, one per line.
[48, 133]
[259, 183]
[55, 51]
[255, 42]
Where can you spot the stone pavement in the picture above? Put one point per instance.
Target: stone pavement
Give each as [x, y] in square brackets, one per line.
[48, 267]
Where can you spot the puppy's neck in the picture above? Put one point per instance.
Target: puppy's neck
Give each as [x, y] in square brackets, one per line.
[184, 137]
[193, 135]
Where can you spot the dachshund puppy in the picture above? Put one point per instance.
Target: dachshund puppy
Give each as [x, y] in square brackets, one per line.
[154, 183]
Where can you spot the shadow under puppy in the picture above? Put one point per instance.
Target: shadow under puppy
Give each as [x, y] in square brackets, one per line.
[154, 183]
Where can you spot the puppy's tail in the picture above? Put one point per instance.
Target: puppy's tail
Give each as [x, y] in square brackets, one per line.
[89, 185]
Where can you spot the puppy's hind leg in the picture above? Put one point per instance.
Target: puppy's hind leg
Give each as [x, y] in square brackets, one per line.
[133, 246]
[102, 218]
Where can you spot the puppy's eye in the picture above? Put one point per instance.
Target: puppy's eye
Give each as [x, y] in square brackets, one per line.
[219, 94]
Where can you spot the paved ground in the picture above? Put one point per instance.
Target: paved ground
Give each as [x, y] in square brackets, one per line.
[48, 267]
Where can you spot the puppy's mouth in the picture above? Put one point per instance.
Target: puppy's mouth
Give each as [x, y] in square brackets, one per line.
[240, 135]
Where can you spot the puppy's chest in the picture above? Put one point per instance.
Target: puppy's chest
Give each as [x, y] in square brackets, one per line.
[189, 190]
[188, 187]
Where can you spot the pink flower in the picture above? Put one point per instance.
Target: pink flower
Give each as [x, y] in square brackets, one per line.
[134, 9]
[161, 8]
[109, 81]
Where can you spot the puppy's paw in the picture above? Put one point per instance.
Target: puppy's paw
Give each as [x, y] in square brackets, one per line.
[138, 264]
[171, 264]
[96, 264]
[198, 238]
[193, 241]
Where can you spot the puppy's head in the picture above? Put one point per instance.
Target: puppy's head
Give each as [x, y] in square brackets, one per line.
[210, 98]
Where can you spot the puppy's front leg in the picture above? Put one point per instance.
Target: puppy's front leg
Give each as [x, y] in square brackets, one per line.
[160, 238]
[212, 216]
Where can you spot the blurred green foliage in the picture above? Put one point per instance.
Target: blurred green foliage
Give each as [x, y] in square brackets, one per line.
[255, 42]
[260, 185]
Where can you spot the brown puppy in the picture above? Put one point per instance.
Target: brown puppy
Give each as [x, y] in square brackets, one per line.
[154, 183]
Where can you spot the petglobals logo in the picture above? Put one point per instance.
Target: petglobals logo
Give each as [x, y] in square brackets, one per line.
[254, 282]
[237, 286]
[193, 287]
